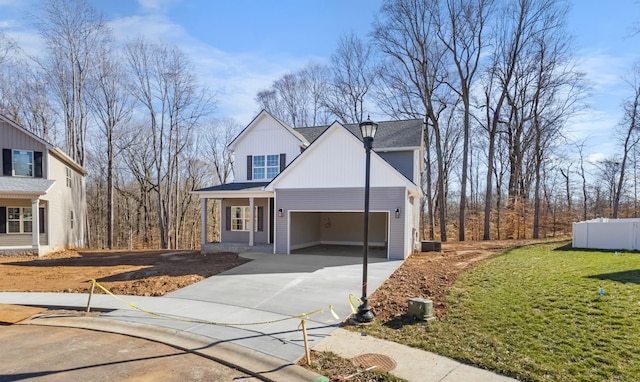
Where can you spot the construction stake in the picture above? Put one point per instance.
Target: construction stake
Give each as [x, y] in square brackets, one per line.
[306, 342]
[93, 285]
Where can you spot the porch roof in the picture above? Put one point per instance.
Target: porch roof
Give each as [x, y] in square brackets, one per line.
[234, 190]
[18, 187]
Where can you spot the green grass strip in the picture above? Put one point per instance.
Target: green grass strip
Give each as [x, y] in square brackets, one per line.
[536, 314]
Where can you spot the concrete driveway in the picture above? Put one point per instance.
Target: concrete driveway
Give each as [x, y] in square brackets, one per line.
[250, 306]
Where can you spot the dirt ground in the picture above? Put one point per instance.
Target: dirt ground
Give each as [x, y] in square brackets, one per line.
[430, 274]
[155, 273]
[139, 273]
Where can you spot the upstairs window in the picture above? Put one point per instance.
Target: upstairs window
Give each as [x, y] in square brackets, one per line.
[68, 177]
[266, 166]
[22, 163]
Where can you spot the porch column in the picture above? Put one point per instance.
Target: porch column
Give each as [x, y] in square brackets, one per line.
[251, 217]
[203, 221]
[35, 224]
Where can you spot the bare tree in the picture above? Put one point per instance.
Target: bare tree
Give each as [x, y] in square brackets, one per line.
[72, 30]
[111, 104]
[461, 24]
[219, 135]
[353, 76]
[608, 172]
[412, 78]
[166, 87]
[628, 132]
[298, 98]
[583, 176]
[316, 78]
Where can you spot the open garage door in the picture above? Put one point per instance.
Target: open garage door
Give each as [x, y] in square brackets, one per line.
[338, 233]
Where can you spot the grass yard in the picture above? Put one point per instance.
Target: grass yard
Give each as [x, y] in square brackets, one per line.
[536, 314]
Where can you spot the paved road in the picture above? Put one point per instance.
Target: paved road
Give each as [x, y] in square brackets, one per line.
[40, 353]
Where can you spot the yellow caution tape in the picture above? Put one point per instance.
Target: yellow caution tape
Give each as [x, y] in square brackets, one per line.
[353, 307]
[196, 321]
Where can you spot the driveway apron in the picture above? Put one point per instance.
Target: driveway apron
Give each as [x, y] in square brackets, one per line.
[249, 305]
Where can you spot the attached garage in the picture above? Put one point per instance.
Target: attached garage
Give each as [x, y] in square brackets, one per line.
[307, 217]
[312, 228]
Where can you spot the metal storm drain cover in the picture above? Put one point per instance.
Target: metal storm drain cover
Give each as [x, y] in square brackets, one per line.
[380, 361]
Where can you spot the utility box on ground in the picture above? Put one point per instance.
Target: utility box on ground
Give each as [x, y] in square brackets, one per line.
[431, 246]
[421, 308]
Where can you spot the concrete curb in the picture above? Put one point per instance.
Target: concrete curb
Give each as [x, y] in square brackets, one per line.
[262, 366]
[412, 364]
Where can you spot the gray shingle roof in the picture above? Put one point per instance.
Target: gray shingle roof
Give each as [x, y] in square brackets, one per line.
[17, 185]
[390, 134]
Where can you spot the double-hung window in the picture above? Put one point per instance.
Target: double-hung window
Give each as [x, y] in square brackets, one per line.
[22, 163]
[19, 220]
[266, 166]
[240, 218]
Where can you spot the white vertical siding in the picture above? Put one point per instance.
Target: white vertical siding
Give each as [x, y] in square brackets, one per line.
[266, 137]
[14, 138]
[61, 201]
[337, 159]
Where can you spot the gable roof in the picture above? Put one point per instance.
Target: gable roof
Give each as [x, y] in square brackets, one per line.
[59, 154]
[260, 115]
[339, 168]
[390, 134]
[25, 131]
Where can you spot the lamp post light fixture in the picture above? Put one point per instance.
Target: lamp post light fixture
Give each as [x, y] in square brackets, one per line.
[368, 129]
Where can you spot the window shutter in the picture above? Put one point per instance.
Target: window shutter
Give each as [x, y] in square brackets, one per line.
[7, 163]
[41, 219]
[249, 167]
[283, 161]
[37, 164]
[3, 219]
[227, 218]
[260, 219]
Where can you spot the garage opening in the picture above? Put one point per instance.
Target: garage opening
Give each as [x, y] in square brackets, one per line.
[338, 233]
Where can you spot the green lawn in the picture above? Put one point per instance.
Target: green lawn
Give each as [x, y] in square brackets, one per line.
[535, 313]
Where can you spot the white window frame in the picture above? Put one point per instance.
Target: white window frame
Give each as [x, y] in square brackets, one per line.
[270, 163]
[21, 220]
[71, 219]
[30, 165]
[68, 177]
[241, 224]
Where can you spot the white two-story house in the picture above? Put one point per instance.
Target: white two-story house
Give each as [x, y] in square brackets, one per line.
[301, 187]
[42, 194]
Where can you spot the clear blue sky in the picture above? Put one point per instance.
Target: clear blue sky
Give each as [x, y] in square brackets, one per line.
[241, 46]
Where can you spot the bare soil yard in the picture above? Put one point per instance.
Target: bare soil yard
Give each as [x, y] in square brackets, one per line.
[155, 273]
[139, 273]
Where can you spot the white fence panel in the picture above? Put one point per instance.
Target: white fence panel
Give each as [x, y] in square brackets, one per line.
[607, 234]
[580, 235]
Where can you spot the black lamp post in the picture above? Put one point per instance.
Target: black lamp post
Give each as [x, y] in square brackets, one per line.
[368, 129]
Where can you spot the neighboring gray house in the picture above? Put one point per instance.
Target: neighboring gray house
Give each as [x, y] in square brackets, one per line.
[38, 177]
[299, 187]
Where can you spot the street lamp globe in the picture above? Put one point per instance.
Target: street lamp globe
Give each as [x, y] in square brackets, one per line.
[368, 129]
